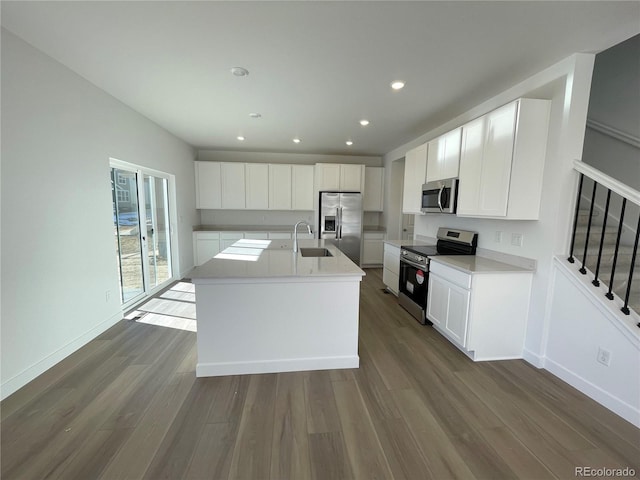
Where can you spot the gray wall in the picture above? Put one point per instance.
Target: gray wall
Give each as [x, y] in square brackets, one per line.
[58, 250]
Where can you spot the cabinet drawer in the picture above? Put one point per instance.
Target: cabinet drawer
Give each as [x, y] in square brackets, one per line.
[280, 236]
[391, 280]
[256, 235]
[392, 262]
[452, 275]
[207, 235]
[374, 235]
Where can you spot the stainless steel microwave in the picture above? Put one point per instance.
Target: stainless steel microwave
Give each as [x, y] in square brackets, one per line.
[440, 196]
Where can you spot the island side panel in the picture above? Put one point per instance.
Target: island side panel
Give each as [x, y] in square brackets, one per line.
[266, 327]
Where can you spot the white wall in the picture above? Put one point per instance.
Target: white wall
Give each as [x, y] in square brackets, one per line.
[58, 252]
[580, 324]
[299, 158]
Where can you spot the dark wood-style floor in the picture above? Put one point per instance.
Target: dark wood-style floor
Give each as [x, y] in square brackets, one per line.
[128, 405]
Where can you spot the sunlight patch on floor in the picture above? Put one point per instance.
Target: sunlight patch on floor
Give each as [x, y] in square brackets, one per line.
[173, 308]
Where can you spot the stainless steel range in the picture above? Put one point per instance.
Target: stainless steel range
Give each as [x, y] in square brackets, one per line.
[414, 267]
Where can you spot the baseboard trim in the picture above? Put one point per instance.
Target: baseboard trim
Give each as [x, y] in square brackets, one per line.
[626, 411]
[275, 366]
[533, 358]
[17, 382]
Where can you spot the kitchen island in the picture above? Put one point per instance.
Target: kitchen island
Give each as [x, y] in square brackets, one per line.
[261, 308]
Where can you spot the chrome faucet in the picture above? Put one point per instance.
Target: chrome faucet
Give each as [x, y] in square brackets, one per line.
[295, 233]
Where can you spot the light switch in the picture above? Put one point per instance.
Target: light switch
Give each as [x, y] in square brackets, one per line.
[516, 239]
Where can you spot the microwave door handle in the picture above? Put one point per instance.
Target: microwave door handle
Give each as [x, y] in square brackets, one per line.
[440, 198]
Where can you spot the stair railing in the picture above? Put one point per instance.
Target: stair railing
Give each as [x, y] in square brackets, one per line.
[625, 194]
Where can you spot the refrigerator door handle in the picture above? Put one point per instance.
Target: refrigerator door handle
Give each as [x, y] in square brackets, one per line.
[338, 222]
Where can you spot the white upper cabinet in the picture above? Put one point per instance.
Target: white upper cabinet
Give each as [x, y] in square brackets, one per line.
[339, 177]
[302, 187]
[502, 161]
[327, 177]
[280, 187]
[444, 156]
[415, 171]
[233, 185]
[257, 186]
[351, 178]
[373, 189]
[208, 193]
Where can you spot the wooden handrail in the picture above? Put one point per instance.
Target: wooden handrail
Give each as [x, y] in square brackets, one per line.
[605, 180]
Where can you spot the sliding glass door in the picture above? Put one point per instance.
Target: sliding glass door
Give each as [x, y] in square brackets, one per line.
[141, 223]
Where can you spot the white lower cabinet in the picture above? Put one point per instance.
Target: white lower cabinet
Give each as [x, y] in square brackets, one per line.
[372, 248]
[206, 245]
[229, 238]
[483, 314]
[391, 267]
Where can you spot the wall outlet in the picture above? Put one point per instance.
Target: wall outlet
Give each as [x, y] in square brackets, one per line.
[497, 237]
[516, 239]
[107, 296]
[604, 356]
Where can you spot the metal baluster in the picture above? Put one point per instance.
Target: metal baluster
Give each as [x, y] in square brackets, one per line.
[625, 308]
[583, 270]
[596, 282]
[609, 295]
[575, 220]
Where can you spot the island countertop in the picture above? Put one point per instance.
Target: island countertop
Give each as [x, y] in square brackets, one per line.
[274, 259]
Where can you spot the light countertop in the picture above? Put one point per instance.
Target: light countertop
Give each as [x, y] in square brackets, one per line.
[417, 243]
[276, 261]
[475, 264]
[266, 228]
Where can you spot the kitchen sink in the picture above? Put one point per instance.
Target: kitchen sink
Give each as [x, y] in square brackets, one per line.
[315, 252]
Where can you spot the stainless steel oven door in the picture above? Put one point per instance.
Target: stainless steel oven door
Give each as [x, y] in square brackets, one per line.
[412, 293]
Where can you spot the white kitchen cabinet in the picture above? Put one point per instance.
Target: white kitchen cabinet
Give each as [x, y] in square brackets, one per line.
[282, 235]
[302, 187]
[502, 162]
[233, 185]
[415, 171]
[339, 177]
[372, 248]
[256, 235]
[327, 177]
[391, 267]
[373, 189]
[208, 185]
[280, 187]
[444, 156]
[257, 192]
[205, 246]
[484, 314]
[229, 238]
[351, 178]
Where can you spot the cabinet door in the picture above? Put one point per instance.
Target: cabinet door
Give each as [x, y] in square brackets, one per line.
[229, 238]
[496, 161]
[373, 189]
[450, 163]
[257, 186]
[351, 178]
[206, 245]
[372, 249]
[302, 187]
[233, 185]
[448, 308]
[327, 177]
[280, 187]
[470, 166]
[415, 170]
[208, 185]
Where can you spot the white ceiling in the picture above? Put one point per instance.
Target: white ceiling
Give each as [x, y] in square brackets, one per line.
[316, 68]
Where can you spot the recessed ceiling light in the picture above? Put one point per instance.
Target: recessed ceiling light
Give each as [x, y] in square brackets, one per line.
[240, 137]
[240, 71]
[349, 142]
[397, 84]
[364, 122]
[296, 140]
[255, 115]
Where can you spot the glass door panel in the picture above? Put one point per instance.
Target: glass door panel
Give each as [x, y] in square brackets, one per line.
[126, 222]
[157, 228]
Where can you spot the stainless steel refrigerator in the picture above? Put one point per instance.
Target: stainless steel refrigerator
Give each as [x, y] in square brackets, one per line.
[341, 222]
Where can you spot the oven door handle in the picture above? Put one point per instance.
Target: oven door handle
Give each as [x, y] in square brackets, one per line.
[413, 264]
[440, 198]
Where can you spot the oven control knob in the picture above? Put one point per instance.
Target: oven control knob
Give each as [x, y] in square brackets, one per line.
[420, 259]
[404, 252]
